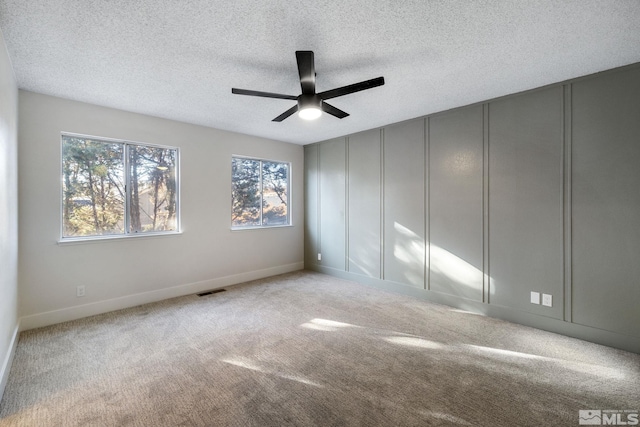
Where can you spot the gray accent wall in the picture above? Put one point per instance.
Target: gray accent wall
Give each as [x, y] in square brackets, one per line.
[479, 206]
[364, 195]
[525, 200]
[404, 203]
[332, 176]
[455, 203]
[606, 202]
[312, 214]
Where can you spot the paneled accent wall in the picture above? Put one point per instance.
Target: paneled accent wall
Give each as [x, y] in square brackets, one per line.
[332, 176]
[311, 205]
[365, 174]
[525, 200]
[606, 202]
[455, 203]
[479, 206]
[404, 210]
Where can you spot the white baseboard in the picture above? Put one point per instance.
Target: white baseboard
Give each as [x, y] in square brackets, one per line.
[77, 312]
[8, 360]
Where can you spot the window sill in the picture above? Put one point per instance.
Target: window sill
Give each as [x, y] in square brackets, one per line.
[257, 227]
[95, 239]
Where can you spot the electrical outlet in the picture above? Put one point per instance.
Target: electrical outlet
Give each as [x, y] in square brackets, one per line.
[535, 297]
[547, 300]
[80, 291]
[319, 257]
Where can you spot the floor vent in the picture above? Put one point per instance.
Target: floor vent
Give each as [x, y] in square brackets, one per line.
[215, 291]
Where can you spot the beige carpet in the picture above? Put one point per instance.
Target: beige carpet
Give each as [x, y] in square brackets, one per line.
[305, 349]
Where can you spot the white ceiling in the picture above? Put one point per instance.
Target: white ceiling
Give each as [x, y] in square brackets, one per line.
[179, 59]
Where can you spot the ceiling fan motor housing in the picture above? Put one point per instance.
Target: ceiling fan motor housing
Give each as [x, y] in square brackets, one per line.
[309, 101]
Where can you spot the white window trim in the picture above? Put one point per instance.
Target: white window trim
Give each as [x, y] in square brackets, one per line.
[110, 237]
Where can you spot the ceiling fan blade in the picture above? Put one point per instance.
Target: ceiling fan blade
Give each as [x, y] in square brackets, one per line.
[262, 94]
[307, 71]
[330, 109]
[286, 114]
[356, 87]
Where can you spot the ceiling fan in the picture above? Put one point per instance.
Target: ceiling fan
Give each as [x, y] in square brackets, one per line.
[311, 104]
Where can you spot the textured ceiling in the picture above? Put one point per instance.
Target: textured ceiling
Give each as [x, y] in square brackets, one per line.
[179, 59]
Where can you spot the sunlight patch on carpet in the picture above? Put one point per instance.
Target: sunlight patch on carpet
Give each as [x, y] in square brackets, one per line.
[243, 362]
[414, 342]
[327, 325]
[586, 368]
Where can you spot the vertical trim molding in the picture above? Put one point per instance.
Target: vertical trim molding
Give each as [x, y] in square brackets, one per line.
[486, 280]
[567, 182]
[382, 204]
[319, 205]
[427, 204]
[318, 249]
[346, 203]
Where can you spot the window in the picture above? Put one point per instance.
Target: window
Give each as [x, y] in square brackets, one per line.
[259, 193]
[112, 188]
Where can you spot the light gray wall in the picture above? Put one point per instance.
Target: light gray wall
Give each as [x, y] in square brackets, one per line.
[8, 213]
[132, 271]
[536, 191]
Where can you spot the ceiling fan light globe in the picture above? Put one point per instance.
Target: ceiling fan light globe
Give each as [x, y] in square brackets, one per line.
[310, 113]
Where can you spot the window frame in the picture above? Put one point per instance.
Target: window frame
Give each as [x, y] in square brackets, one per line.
[127, 234]
[289, 192]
